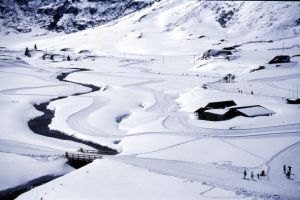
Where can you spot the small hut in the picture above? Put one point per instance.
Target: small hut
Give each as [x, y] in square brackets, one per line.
[280, 59]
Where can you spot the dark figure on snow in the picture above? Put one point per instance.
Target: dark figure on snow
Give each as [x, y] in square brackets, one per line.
[252, 176]
[290, 169]
[284, 169]
[257, 176]
[44, 57]
[251, 92]
[52, 57]
[27, 52]
[245, 174]
[288, 174]
[262, 173]
[68, 58]
[35, 47]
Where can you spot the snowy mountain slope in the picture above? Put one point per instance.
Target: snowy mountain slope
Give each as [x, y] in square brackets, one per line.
[68, 16]
[167, 25]
[152, 77]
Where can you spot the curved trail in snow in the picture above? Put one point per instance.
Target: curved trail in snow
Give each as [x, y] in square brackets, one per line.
[40, 124]
[180, 124]
[78, 121]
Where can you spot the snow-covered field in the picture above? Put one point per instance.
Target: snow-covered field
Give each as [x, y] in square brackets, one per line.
[150, 72]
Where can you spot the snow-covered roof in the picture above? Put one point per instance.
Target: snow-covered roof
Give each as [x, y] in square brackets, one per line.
[217, 111]
[254, 111]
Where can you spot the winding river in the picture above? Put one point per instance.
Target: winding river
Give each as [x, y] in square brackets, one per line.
[40, 125]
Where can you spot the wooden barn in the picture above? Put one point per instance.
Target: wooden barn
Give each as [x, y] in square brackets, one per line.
[224, 110]
[280, 59]
[215, 111]
[216, 53]
[293, 101]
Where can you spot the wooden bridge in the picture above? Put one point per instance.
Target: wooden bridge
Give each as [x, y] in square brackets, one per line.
[103, 151]
[85, 157]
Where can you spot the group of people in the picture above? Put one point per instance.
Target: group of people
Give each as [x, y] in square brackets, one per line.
[288, 172]
[241, 91]
[258, 175]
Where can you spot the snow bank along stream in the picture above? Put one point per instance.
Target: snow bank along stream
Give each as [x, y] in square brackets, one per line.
[40, 124]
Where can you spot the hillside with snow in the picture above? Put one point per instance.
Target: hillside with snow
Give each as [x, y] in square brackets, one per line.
[125, 79]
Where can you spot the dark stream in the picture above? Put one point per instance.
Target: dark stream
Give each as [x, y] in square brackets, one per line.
[40, 125]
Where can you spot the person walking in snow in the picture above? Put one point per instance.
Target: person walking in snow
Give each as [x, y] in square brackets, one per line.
[245, 174]
[35, 47]
[288, 174]
[252, 176]
[258, 176]
[290, 169]
[284, 169]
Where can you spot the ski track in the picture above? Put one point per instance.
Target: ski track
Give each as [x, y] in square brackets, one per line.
[78, 121]
[287, 156]
[224, 178]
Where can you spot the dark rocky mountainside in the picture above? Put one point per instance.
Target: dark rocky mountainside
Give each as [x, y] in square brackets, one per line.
[68, 16]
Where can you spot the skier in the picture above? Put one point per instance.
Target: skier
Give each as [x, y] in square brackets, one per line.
[257, 176]
[252, 176]
[290, 169]
[245, 174]
[262, 173]
[284, 169]
[68, 58]
[251, 92]
[35, 47]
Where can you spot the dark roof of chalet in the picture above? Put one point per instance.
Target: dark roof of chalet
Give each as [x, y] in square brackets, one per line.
[220, 104]
[280, 59]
